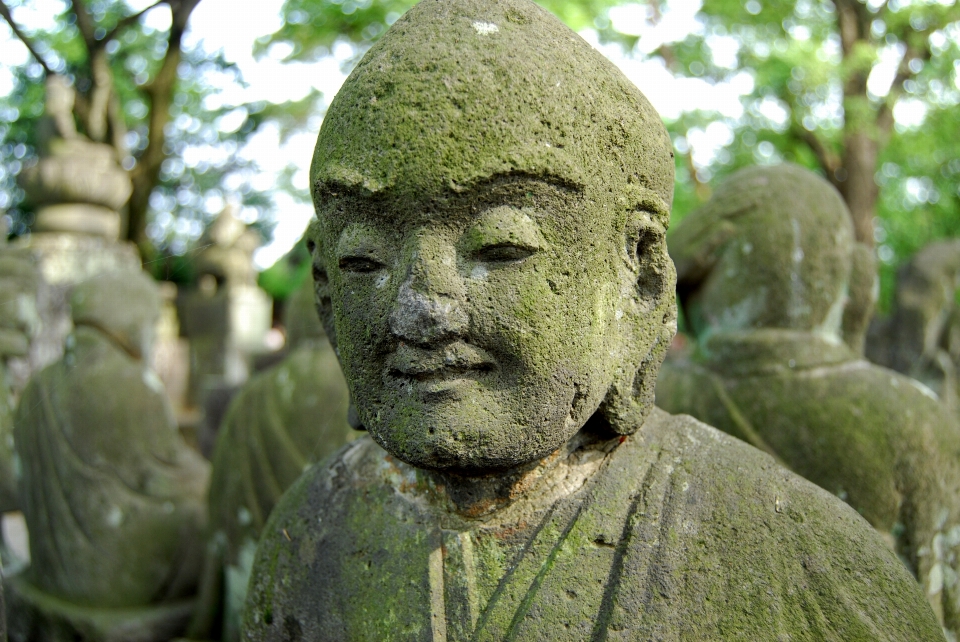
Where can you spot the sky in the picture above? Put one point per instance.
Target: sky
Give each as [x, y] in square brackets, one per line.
[233, 26]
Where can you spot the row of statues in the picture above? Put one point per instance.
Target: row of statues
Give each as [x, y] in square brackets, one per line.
[493, 275]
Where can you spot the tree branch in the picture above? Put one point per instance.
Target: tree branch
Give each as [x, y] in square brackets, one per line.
[129, 20]
[5, 12]
[159, 91]
[828, 159]
[85, 24]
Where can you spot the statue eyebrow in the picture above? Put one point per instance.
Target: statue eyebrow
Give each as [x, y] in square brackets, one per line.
[337, 188]
[557, 181]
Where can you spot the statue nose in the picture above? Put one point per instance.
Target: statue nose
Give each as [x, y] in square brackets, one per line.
[428, 309]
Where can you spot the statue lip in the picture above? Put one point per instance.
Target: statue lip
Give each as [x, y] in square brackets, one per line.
[455, 360]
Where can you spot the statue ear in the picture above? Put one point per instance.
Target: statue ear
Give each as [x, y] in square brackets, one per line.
[646, 247]
[321, 283]
[631, 394]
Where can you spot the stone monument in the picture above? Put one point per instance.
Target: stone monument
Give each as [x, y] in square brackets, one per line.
[765, 283]
[282, 421]
[77, 189]
[226, 318]
[491, 268]
[921, 337]
[114, 499]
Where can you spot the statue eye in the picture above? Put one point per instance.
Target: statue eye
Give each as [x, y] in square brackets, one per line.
[503, 253]
[359, 264]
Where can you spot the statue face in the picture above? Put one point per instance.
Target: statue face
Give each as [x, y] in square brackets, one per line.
[491, 197]
[479, 329]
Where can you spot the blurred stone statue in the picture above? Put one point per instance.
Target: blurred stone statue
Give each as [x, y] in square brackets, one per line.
[19, 323]
[113, 498]
[765, 281]
[78, 185]
[77, 190]
[490, 263]
[227, 316]
[282, 421]
[921, 337]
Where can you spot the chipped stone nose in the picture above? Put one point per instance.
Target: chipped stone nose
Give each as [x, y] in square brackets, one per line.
[425, 318]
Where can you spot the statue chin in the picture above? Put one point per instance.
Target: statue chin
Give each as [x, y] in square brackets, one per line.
[454, 444]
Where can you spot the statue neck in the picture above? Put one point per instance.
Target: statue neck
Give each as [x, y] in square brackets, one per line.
[480, 496]
[772, 351]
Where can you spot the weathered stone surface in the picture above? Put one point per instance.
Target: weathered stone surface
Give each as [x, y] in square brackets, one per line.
[679, 533]
[77, 171]
[490, 262]
[113, 497]
[283, 420]
[784, 381]
[63, 262]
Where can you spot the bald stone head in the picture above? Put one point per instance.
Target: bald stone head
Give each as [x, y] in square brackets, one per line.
[773, 248]
[492, 198]
[123, 305]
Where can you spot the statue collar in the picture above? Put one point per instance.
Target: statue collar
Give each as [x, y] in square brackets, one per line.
[772, 351]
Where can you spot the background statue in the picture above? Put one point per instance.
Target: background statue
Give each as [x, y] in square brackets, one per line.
[19, 323]
[490, 259]
[282, 421]
[765, 281]
[921, 337]
[113, 498]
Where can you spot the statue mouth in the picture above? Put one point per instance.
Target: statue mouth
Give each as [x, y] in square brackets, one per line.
[457, 360]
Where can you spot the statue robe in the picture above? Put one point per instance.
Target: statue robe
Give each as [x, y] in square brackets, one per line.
[876, 439]
[283, 420]
[113, 497]
[679, 533]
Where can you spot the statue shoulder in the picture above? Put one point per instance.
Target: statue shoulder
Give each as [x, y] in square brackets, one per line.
[728, 514]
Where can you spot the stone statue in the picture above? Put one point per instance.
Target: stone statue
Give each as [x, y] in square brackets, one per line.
[226, 318]
[921, 337]
[78, 185]
[77, 189]
[765, 282]
[19, 323]
[491, 266]
[283, 420]
[114, 499]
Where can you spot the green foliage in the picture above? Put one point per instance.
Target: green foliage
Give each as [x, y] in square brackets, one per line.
[792, 51]
[283, 278]
[201, 152]
[312, 27]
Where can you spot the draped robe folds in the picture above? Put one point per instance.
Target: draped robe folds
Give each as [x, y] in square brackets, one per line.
[283, 420]
[676, 533]
[112, 495]
[873, 437]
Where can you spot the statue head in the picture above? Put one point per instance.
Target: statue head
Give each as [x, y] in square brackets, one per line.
[773, 248]
[125, 306]
[492, 199]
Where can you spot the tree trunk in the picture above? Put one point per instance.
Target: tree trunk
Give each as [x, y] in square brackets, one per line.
[859, 189]
[146, 176]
